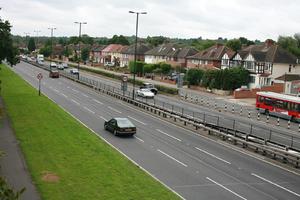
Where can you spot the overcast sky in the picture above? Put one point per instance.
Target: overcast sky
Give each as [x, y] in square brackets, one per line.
[253, 19]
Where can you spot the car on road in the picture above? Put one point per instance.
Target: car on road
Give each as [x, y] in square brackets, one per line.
[144, 92]
[60, 66]
[65, 65]
[54, 74]
[120, 126]
[149, 86]
[74, 71]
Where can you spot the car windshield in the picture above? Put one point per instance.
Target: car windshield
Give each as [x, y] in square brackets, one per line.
[124, 123]
[145, 90]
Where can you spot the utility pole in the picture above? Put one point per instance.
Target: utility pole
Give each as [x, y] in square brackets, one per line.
[37, 38]
[135, 47]
[79, 52]
[51, 56]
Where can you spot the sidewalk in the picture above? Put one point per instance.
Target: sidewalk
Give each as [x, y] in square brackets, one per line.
[243, 102]
[12, 165]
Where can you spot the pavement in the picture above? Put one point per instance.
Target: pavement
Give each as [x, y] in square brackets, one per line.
[12, 165]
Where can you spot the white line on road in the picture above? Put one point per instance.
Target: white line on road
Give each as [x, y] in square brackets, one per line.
[139, 139]
[168, 135]
[97, 101]
[68, 87]
[64, 95]
[56, 90]
[75, 90]
[137, 120]
[89, 110]
[275, 184]
[114, 110]
[226, 188]
[84, 95]
[172, 158]
[212, 155]
[75, 102]
[103, 118]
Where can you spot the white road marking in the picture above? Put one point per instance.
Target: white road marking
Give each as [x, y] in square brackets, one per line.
[212, 155]
[137, 120]
[275, 184]
[84, 95]
[171, 157]
[139, 139]
[75, 90]
[226, 188]
[64, 95]
[68, 87]
[114, 110]
[56, 90]
[103, 118]
[89, 110]
[168, 135]
[97, 101]
[75, 102]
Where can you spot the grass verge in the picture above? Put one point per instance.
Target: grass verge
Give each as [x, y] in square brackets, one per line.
[65, 159]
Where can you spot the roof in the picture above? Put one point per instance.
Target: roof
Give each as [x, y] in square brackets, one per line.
[215, 52]
[98, 48]
[163, 50]
[269, 53]
[289, 77]
[141, 49]
[279, 96]
[113, 48]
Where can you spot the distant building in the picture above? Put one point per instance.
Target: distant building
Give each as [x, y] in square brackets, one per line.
[128, 54]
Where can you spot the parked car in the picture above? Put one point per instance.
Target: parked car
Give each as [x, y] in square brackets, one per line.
[54, 74]
[53, 65]
[74, 71]
[65, 65]
[120, 126]
[146, 93]
[109, 64]
[60, 66]
[149, 86]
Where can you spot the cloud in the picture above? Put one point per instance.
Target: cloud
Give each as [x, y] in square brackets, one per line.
[254, 19]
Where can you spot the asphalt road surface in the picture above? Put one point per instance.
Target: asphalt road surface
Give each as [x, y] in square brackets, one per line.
[194, 166]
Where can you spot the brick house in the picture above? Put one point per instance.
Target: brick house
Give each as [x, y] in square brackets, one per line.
[96, 54]
[112, 53]
[128, 54]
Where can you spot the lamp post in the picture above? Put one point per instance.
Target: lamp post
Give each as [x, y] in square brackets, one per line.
[51, 56]
[135, 47]
[37, 37]
[78, 56]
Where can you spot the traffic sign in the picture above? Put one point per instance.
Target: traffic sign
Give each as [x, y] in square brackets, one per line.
[124, 78]
[39, 76]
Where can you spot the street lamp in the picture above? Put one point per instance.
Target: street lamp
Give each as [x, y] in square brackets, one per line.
[78, 56]
[51, 56]
[135, 47]
[37, 37]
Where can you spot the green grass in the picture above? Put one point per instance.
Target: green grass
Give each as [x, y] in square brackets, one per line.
[53, 142]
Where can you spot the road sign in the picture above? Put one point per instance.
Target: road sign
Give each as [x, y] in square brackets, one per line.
[124, 78]
[39, 76]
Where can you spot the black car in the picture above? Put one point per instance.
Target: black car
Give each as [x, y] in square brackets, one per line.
[120, 126]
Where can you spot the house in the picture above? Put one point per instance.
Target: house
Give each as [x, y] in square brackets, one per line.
[291, 83]
[179, 56]
[265, 62]
[112, 53]
[210, 58]
[96, 54]
[159, 53]
[128, 54]
[169, 53]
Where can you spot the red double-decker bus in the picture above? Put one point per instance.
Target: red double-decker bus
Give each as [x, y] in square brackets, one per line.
[280, 105]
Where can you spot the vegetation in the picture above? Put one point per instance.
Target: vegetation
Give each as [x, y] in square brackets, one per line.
[118, 40]
[81, 165]
[85, 54]
[31, 45]
[7, 50]
[292, 44]
[142, 68]
[227, 79]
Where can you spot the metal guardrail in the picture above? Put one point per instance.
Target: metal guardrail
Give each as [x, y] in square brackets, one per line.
[266, 140]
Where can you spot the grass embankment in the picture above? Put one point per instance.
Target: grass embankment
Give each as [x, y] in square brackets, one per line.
[65, 159]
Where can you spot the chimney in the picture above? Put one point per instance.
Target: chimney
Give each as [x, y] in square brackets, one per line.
[269, 42]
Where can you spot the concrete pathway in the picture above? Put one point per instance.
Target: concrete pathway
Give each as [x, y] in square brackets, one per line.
[12, 165]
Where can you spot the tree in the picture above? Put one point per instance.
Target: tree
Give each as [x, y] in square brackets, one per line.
[194, 76]
[46, 51]
[118, 40]
[156, 40]
[165, 68]
[85, 54]
[234, 44]
[7, 50]
[291, 44]
[31, 44]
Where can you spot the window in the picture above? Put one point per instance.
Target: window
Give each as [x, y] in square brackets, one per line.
[252, 79]
[290, 68]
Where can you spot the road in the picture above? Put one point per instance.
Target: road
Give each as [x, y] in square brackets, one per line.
[216, 115]
[192, 165]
